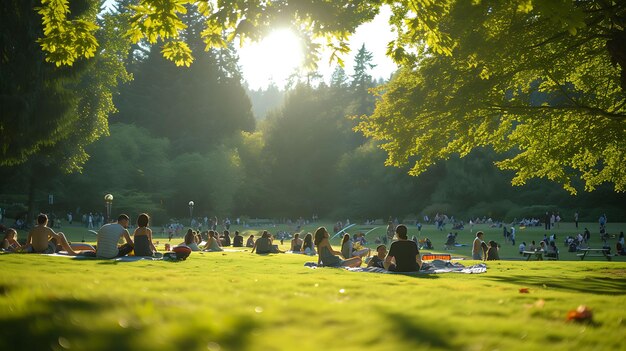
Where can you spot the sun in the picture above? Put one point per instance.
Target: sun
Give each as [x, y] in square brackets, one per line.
[272, 59]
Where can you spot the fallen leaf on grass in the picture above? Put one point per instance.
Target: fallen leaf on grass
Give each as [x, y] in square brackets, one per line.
[580, 314]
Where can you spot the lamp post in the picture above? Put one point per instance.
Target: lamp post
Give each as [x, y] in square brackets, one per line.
[190, 212]
[108, 201]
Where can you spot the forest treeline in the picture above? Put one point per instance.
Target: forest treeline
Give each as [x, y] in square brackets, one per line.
[184, 134]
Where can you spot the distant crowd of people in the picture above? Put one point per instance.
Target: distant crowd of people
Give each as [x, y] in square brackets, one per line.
[403, 254]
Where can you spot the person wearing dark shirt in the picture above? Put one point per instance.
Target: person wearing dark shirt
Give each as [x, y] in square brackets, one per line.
[404, 252]
[492, 252]
[226, 238]
[378, 260]
[237, 240]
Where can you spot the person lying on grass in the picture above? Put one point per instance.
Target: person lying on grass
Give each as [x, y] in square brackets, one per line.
[42, 239]
[143, 237]
[9, 243]
[329, 257]
[404, 253]
[379, 260]
[264, 245]
[213, 244]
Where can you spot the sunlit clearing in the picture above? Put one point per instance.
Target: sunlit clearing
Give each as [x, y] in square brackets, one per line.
[273, 59]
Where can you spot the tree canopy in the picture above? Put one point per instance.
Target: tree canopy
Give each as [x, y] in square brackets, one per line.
[542, 82]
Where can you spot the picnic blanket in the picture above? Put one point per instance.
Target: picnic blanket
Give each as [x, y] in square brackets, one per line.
[119, 259]
[434, 267]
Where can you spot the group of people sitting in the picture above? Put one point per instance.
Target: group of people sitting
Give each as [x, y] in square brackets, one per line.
[403, 254]
[484, 251]
[43, 239]
[549, 249]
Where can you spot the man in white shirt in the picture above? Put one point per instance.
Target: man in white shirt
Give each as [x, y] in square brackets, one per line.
[110, 234]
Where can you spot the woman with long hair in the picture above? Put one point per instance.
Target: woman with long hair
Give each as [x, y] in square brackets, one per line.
[307, 246]
[212, 243]
[329, 257]
[347, 248]
[142, 237]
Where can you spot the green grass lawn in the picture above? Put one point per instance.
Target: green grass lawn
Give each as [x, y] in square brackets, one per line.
[243, 301]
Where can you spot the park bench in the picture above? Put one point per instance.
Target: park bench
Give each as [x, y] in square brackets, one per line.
[537, 255]
[594, 253]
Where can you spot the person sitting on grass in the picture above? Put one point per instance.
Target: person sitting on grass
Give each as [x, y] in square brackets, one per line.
[42, 239]
[403, 252]
[329, 257]
[212, 244]
[191, 240]
[307, 246]
[522, 247]
[264, 245]
[296, 243]
[478, 246]
[142, 236]
[347, 248]
[250, 241]
[492, 251]
[552, 250]
[226, 238]
[108, 236]
[237, 239]
[542, 246]
[379, 260]
[9, 243]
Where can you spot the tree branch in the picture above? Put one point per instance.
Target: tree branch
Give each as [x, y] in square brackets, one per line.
[588, 109]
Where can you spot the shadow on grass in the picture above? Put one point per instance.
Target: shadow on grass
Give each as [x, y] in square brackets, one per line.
[65, 323]
[44, 327]
[417, 275]
[593, 285]
[422, 334]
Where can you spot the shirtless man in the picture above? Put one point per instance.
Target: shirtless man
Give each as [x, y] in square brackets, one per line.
[478, 247]
[39, 238]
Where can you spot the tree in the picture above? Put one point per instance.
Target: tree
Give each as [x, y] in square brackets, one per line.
[161, 21]
[471, 69]
[537, 82]
[49, 110]
[194, 107]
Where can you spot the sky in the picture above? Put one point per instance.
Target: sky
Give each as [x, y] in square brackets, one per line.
[277, 56]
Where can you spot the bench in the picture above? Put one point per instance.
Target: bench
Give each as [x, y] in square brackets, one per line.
[537, 255]
[594, 253]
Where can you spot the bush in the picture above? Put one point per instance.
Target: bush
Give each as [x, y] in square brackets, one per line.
[433, 209]
[497, 211]
[534, 211]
